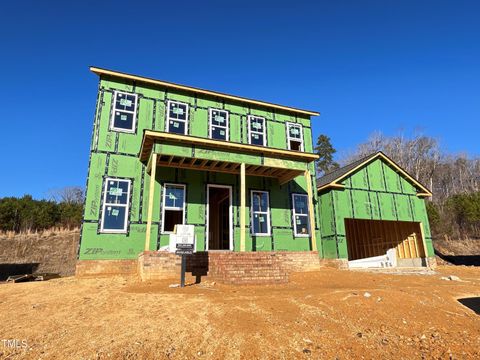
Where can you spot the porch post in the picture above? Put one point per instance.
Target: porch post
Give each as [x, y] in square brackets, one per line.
[242, 207]
[311, 213]
[150, 200]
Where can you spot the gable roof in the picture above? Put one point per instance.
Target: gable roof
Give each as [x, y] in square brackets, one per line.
[100, 71]
[333, 179]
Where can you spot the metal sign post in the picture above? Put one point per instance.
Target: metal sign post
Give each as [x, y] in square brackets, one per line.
[182, 274]
[183, 250]
[184, 240]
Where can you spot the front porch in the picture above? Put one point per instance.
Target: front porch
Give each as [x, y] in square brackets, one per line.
[163, 152]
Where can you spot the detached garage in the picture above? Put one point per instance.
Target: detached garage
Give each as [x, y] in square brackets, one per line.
[373, 214]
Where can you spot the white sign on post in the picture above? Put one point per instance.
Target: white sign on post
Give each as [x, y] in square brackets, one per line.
[183, 237]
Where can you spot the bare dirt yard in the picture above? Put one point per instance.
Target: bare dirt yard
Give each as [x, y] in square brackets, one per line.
[323, 315]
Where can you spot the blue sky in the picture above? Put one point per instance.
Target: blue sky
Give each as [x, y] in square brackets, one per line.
[365, 65]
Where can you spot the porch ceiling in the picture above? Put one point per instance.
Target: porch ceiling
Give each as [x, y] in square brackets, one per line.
[222, 156]
[283, 175]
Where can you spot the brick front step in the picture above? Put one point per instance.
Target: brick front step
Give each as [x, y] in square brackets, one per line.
[230, 267]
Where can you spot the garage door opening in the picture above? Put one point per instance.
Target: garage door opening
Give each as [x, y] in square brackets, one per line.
[373, 238]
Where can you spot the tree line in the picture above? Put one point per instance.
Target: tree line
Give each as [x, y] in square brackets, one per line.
[24, 214]
[454, 209]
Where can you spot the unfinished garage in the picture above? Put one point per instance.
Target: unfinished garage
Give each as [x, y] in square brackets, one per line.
[372, 239]
[373, 214]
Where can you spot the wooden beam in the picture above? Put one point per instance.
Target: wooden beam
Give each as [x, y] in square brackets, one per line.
[224, 165]
[151, 136]
[277, 172]
[263, 170]
[424, 242]
[149, 164]
[197, 167]
[288, 176]
[151, 193]
[311, 214]
[242, 207]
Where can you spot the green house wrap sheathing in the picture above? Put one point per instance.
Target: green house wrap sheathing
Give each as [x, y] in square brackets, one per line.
[376, 191]
[115, 154]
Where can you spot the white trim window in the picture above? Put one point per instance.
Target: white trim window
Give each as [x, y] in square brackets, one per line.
[300, 215]
[218, 124]
[294, 136]
[124, 114]
[259, 213]
[173, 211]
[177, 117]
[115, 208]
[256, 130]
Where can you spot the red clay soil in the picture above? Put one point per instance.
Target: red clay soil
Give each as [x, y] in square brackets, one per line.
[318, 315]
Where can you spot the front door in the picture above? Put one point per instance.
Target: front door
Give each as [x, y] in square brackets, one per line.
[219, 215]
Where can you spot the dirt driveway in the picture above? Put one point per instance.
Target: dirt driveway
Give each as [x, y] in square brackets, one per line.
[323, 315]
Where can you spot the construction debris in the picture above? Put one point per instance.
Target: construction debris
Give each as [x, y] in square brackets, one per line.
[450, 278]
[31, 277]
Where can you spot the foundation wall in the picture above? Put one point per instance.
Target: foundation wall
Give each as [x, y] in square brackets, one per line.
[105, 267]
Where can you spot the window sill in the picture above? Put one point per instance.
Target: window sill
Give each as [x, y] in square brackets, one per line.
[123, 130]
[113, 232]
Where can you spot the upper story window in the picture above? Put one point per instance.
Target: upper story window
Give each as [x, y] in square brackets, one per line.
[115, 205]
[300, 215]
[256, 130]
[173, 206]
[294, 136]
[124, 112]
[260, 209]
[177, 117]
[218, 124]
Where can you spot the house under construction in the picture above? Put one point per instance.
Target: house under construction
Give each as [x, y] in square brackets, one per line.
[241, 171]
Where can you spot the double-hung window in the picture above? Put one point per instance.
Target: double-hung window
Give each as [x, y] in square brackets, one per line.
[115, 205]
[124, 112]
[256, 131]
[294, 136]
[300, 215]
[173, 207]
[260, 217]
[177, 117]
[218, 124]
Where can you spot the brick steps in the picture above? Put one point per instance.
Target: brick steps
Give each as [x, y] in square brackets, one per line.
[230, 267]
[247, 268]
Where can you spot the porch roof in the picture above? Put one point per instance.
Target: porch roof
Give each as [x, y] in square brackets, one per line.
[190, 152]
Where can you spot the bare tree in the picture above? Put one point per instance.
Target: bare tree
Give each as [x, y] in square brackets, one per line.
[68, 195]
[421, 156]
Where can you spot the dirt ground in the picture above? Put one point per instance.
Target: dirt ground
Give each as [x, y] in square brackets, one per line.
[321, 315]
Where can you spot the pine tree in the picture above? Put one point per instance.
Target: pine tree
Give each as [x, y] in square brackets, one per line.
[325, 150]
